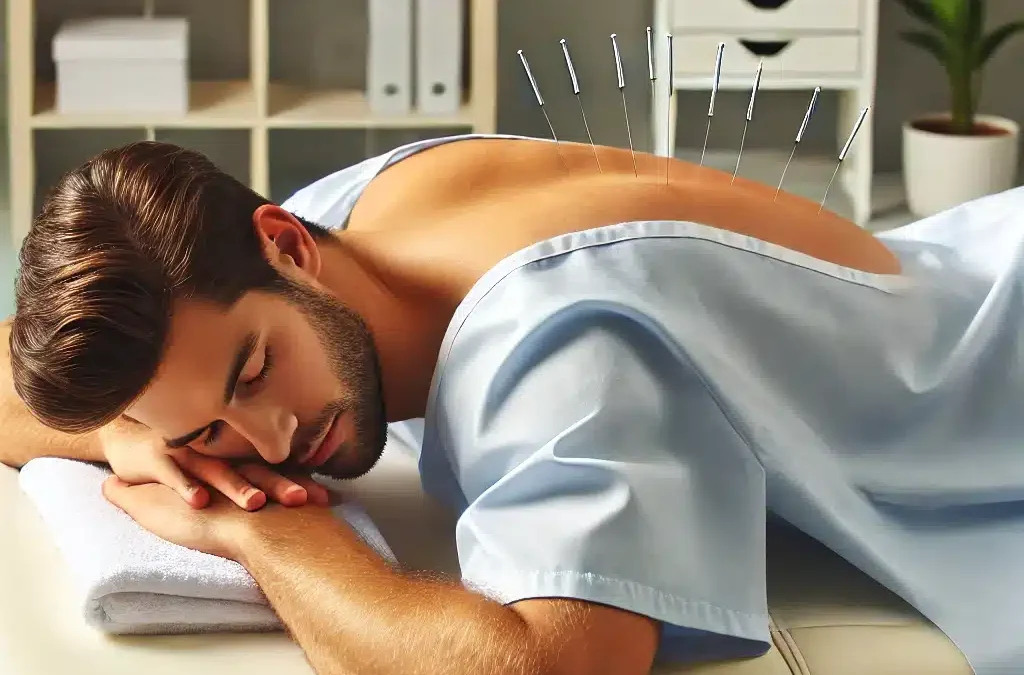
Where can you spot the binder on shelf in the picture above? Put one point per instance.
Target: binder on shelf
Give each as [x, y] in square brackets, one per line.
[389, 57]
[439, 27]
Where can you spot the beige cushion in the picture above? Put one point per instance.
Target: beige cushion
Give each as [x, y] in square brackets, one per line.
[829, 618]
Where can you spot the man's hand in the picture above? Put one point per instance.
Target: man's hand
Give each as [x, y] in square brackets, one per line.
[137, 456]
[218, 529]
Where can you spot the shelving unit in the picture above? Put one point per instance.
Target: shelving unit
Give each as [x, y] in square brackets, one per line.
[257, 106]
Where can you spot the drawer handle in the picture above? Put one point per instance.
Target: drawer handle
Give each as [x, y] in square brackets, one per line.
[765, 47]
[768, 4]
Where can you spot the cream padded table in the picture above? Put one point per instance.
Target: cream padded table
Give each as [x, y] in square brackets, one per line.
[828, 618]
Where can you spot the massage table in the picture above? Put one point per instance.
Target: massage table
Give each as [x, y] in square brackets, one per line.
[828, 618]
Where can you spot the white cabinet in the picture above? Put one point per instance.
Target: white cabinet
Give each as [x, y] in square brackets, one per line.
[758, 15]
[805, 44]
[821, 56]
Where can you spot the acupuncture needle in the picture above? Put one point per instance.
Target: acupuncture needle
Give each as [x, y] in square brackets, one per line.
[842, 155]
[540, 102]
[653, 74]
[714, 94]
[622, 91]
[750, 118]
[576, 92]
[669, 63]
[799, 137]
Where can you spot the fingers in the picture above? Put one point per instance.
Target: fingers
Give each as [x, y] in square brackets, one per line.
[118, 493]
[287, 491]
[249, 485]
[222, 477]
[316, 493]
[170, 474]
[140, 502]
[114, 491]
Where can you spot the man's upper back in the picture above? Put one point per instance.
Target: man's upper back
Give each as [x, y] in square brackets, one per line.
[479, 199]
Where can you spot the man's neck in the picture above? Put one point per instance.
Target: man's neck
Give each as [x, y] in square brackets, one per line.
[407, 329]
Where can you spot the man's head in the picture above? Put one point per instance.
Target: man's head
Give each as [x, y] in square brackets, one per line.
[154, 286]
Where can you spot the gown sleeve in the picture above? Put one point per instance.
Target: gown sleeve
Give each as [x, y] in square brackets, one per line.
[592, 462]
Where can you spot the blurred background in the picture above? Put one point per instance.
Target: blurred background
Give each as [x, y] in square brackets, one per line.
[317, 50]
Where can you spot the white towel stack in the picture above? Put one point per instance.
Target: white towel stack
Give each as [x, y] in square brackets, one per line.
[133, 582]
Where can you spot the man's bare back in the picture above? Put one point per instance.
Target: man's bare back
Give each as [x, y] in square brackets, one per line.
[466, 205]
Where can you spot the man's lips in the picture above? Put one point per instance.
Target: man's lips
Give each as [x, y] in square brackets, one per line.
[321, 452]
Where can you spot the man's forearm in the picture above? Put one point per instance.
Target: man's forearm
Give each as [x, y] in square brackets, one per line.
[352, 613]
[26, 438]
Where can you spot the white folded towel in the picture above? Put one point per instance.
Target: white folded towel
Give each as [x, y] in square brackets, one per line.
[133, 582]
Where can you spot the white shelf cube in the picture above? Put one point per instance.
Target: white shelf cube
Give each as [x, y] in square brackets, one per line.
[117, 65]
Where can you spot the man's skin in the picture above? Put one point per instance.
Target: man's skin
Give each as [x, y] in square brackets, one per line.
[419, 238]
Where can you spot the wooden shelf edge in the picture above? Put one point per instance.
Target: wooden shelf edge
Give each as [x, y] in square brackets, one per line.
[213, 104]
[293, 106]
[231, 104]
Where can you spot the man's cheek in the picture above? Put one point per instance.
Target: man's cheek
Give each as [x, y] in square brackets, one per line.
[311, 385]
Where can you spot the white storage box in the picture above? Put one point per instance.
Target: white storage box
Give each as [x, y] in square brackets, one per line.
[122, 65]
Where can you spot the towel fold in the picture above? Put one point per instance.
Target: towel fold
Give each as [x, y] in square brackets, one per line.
[133, 582]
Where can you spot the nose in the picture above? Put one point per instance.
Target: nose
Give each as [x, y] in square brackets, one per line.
[269, 429]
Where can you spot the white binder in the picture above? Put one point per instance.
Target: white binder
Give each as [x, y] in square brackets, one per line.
[389, 57]
[439, 32]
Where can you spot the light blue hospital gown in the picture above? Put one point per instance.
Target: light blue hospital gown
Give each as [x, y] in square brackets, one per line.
[616, 412]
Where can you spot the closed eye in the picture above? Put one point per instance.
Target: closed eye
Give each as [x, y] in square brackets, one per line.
[268, 362]
[213, 432]
[217, 426]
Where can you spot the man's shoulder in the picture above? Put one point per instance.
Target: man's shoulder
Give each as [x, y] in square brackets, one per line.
[329, 200]
[560, 320]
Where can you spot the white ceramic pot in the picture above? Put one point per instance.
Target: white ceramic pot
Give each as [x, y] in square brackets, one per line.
[941, 170]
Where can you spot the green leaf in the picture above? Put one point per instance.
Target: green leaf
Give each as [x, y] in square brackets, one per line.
[994, 40]
[929, 42]
[969, 33]
[921, 10]
[975, 24]
[948, 12]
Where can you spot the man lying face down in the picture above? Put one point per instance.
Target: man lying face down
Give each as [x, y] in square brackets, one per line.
[619, 378]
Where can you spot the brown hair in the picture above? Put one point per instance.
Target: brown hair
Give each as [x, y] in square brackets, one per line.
[117, 240]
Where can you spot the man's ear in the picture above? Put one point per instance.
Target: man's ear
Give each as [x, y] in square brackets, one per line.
[285, 240]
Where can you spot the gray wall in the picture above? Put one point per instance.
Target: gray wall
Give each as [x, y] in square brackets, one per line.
[329, 50]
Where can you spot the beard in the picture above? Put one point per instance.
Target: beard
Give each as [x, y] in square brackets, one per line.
[350, 349]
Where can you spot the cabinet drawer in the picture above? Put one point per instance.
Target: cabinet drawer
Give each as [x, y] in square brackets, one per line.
[735, 16]
[804, 55]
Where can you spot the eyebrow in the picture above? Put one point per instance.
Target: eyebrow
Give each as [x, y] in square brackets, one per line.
[244, 353]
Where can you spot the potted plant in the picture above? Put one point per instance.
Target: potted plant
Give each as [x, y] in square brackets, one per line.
[955, 156]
